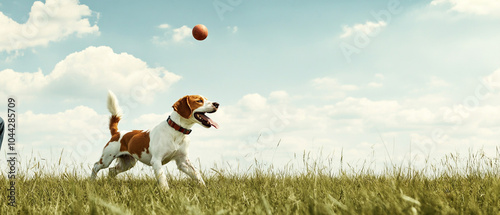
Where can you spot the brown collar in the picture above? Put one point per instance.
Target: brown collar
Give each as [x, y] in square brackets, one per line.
[178, 127]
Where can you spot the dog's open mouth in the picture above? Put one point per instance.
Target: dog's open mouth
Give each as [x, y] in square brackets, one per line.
[205, 120]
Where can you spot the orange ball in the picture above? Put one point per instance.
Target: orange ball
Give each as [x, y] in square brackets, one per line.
[200, 32]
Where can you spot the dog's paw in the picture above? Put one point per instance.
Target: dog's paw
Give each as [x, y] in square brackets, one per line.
[164, 188]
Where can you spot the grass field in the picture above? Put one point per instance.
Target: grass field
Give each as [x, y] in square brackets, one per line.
[442, 188]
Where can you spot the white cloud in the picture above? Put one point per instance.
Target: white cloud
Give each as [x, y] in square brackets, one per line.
[164, 26]
[62, 127]
[331, 83]
[158, 40]
[80, 131]
[418, 116]
[379, 76]
[148, 121]
[88, 74]
[21, 83]
[369, 28]
[253, 102]
[364, 107]
[49, 22]
[378, 81]
[493, 79]
[181, 33]
[232, 29]
[331, 88]
[279, 96]
[437, 82]
[375, 84]
[479, 7]
[176, 35]
[14, 55]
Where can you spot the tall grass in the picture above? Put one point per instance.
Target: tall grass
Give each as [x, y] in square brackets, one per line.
[454, 185]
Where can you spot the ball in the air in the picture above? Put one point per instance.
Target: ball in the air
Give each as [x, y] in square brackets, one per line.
[200, 32]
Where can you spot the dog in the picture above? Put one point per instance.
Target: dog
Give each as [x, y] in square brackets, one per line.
[167, 141]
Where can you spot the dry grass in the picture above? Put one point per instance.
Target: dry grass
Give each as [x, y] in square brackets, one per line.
[451, 188]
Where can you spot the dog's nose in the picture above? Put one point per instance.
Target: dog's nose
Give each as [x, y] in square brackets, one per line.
[215, 104]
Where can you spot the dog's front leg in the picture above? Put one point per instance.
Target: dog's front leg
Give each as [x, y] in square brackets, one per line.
[185, 166]
[160, 174]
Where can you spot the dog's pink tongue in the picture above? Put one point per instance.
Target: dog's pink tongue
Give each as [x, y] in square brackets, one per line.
[213, 123]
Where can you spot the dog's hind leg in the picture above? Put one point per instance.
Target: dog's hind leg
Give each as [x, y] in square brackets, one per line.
[123, 163]
[108, 155]
[103, 163]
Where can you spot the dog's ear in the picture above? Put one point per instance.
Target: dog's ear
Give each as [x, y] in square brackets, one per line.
[182, 107]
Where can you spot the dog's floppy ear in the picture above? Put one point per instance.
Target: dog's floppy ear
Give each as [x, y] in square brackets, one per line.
[182, 107]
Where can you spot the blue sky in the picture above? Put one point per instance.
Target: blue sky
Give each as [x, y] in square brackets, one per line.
[330, 76]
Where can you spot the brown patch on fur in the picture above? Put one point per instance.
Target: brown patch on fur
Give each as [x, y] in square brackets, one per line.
[114, 138]
[187, 104]
[113, 124]
[100, 161]
[135, 142]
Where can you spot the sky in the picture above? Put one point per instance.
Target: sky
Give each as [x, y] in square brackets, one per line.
[376, 83]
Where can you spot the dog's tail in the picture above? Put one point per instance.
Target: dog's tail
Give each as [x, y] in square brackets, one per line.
[116, 113]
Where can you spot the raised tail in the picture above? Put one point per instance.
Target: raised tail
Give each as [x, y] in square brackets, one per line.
[116, 113]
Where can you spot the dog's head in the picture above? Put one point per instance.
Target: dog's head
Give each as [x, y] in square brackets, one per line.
[194, 107]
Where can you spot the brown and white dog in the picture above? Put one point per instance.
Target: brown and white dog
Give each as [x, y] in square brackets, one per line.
[167, 141]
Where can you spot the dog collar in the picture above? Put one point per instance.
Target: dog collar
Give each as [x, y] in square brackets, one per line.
[178, 127]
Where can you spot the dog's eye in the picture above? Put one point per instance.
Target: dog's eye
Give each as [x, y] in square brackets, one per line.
[200, 101]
